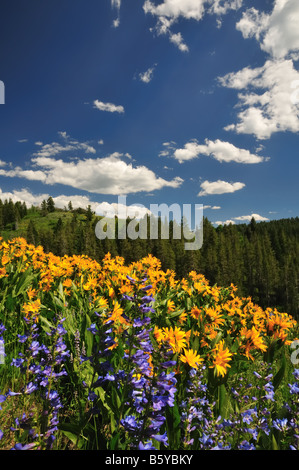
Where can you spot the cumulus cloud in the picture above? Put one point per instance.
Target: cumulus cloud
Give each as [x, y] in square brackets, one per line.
[277, 32]
[31, 175]
[225, 222]
[147, 76]
[122, 211]
[221, 151]
[211, 207]
[219, 187]
[108, 175]
[268, 103]
[243, 218]
[67, 145]
[247, 218]
[177, 39]
[170, 11]
[221, 7]
[61, 201]
[270, 99]
[116, 4]
[109, 107]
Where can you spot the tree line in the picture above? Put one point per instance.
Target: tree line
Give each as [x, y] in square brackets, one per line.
[261, 259]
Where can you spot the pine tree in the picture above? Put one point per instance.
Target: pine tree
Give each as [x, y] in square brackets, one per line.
[44, 208]
[32, 234]
[89, 214]
[1, 214]
[50, 204]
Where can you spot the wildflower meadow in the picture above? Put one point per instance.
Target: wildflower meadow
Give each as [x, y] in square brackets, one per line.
[108, 356]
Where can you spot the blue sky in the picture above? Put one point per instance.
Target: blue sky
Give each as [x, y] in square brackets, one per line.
[163, 101]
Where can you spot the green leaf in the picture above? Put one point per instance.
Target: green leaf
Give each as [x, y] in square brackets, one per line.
[223, 403]
[173, 424]
[24, 281]
[188, 304]
[272, 350]
[275, 446]
[176, 313]
[216, 339]
[194, 342]
[88, 336]
[46, 324]
[113, 445]
[72, 432]
[116, 401]
[280, 374]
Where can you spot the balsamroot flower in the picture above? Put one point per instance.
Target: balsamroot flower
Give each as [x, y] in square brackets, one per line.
[221, 358]
[191, 358]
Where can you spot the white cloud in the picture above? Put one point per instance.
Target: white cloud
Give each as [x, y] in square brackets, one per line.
[243, 218]
[170, 11]
[221, 7]
[178, 40]
[116, 4]
[27, 174]
[277, 32]
[122, 211]
[189, 9]
[110, 107]
[275, 108]
[147, 76]
[212, 207]
[225, 222]
[109, 175]
[219, 187]
[68, 145]
[61, 201]
[221, 151]
[191, 150]
[257, 217]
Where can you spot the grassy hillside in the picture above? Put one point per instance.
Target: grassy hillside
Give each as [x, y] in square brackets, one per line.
[41, 222]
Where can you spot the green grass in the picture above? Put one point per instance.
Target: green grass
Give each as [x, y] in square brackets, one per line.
[41, 222]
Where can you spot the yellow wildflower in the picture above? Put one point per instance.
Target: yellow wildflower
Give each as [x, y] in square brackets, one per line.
[170, 306]
[176, 338]
[159, 335]
[31, 309]
[31, 293]
[67, 283]
[221, 359]
[191, 358]
[5, 259]
[195, 312]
